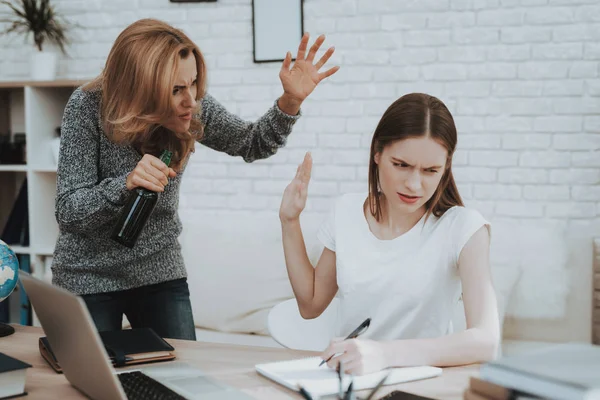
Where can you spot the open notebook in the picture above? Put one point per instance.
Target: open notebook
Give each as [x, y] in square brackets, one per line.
[322, 381]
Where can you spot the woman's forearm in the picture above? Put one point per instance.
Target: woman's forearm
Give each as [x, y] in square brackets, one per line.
[85, 208]
[461, 348]
[289, 105]
[299, 268]
[228, 133]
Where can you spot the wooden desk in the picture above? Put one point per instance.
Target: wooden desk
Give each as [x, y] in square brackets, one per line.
[230, 364]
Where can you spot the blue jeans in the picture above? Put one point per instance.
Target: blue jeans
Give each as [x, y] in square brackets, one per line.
[164, 307]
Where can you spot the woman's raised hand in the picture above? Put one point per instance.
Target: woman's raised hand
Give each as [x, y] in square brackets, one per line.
[295, 194]
[303, 77]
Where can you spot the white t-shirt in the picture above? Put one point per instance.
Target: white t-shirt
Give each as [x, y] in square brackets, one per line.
[408, 286]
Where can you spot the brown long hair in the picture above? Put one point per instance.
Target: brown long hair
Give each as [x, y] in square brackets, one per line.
[137, 84]
[416, 115]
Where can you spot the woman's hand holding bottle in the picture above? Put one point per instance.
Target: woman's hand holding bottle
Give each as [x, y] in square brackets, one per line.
[150, 173]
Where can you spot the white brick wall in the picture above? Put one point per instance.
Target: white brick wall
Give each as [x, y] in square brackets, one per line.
[521, 77]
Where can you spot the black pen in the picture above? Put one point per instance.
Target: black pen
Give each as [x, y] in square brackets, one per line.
[340, 372]
[304, 393]
[377, 387]
[359, 330]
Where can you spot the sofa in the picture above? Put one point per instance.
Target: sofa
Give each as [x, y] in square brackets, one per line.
[236, 273]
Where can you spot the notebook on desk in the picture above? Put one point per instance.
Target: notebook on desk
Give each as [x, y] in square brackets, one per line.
[125, 347]
[323, 381]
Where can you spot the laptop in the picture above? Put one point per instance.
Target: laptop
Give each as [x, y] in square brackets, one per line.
[74, 339]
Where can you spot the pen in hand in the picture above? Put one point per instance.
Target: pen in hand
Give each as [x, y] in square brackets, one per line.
[358, 331]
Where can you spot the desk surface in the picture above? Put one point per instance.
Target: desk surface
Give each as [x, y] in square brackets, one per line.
[230, 364]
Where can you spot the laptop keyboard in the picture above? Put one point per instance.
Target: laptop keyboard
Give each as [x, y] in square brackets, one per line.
[138, 386]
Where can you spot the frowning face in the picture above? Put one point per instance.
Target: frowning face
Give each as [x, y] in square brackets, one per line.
[184, 95]
[410, 171]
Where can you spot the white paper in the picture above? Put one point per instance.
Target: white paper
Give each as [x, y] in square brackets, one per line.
[321, 381]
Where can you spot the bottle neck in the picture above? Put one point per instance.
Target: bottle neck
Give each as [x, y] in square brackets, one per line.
[166, 157]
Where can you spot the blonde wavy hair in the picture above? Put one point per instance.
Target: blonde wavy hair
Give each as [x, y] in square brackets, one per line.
[137, 85]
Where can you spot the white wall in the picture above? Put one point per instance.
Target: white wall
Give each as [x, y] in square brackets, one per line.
[520, 76]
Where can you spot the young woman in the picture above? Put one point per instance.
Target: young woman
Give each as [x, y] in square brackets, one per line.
[150, 96]
[400, 254]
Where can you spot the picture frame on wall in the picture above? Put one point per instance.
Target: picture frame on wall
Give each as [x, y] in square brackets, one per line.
[277, 27]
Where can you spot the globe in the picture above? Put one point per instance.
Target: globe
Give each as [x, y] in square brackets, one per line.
[9, 273]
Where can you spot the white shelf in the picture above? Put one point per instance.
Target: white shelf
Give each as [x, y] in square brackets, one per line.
[48, 168]
[13, 168]
[25, 168]
[64, 83]
[20, 249]
[45, 251]
[35, 108]
[40, 251]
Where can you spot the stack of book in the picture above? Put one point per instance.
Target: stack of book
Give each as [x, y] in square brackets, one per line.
[569, 371]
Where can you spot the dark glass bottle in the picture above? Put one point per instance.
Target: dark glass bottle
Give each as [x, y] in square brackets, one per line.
[136, 212]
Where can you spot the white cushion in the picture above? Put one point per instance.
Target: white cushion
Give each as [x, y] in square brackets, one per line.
[236, 268]
[289, 329]
[504, 280]
[242, 339]
[540, 250]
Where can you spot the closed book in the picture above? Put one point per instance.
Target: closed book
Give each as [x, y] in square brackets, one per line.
[569, 371]
[471, 395]
[125, 347]
[12, 376]
[489, 390]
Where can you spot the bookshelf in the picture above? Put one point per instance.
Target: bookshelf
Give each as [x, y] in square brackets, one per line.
[36, 109]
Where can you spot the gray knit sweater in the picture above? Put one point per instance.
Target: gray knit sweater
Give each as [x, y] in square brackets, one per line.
[91, 191]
